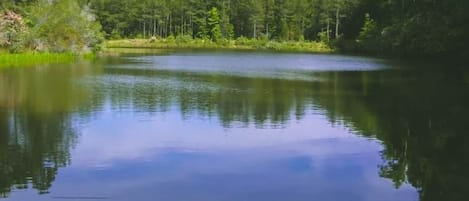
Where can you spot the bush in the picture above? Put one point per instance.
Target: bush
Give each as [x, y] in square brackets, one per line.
[115, 35]
[171, 39]
[63, 26]
[368, 39]
[12, 31]
[183, 39]
[242, 41]
[153, 39]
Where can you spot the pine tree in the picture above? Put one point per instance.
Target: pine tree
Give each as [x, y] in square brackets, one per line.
[213, 25]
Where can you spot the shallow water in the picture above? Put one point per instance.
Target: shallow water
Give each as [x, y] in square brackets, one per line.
[234, 126]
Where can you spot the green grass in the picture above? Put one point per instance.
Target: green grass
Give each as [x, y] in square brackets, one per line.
[31, 59]
[238, 44]
[180, 42]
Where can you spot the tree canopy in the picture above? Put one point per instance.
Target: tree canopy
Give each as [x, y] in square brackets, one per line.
[49, 26]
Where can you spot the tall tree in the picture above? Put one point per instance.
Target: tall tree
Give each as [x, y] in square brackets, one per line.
[213, 24]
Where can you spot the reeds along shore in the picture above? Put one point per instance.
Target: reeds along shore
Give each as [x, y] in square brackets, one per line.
[29, 59]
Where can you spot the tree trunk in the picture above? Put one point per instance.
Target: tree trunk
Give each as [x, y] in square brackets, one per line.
[255, 29]
[154, 25]
[328, 30]
[170, 25]
[166, 27]
[337, 22]
[191, 25]
[183, 24]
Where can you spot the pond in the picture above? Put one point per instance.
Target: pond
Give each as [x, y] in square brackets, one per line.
[234, 126]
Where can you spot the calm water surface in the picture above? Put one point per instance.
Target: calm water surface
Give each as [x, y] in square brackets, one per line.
[234, 126]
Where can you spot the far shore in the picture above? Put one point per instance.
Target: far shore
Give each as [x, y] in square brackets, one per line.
[239, 44]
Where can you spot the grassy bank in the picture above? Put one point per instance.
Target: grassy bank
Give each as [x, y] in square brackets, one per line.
[238, 44]
[30, 59]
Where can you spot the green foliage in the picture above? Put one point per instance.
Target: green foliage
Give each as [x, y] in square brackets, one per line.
[30, 59]
[50, 26]
[115, 35]
[283, 30]
[368, 39]
[213, 23]
[230, 32]
[406, 27]
[64, 26]
[12, 31]
[181, 39]
[323, 36]
[202, 29]
[418, 28]
[278, 19]
[171, 38]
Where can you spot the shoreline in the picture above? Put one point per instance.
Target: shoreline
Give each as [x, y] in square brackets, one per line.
[226, 45]
[8, 60]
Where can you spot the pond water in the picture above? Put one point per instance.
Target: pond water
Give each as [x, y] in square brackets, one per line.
[234, 126]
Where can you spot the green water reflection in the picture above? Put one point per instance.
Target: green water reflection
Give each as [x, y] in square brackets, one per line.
[37, 125]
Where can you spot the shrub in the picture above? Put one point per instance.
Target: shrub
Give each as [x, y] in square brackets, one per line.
[153, 39]
[183, 39]
[64, 26]
[12, 31]
[368, 37]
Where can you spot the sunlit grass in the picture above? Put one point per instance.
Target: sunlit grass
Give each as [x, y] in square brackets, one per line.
[31, 59]
[239, 44]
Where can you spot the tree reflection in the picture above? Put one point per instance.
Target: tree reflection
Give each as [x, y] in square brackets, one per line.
[231, 99]
[420, 117]
[37, 129]
[33, 148]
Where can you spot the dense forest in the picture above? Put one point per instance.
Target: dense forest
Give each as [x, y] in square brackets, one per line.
[399, 27]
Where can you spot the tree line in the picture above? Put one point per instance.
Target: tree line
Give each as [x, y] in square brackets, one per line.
[404, 27]
[271, 19]
[413, 27]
